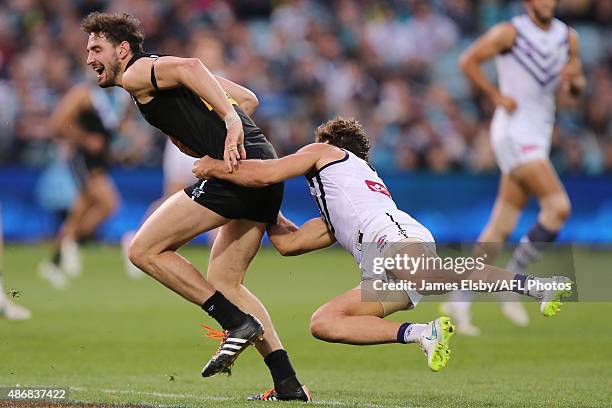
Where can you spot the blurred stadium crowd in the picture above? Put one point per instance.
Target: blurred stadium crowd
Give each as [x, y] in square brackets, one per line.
[392, 64]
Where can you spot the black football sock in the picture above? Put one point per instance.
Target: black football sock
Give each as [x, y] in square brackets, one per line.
[222, 310]
[56, 258]
[530, 248]
[283, 374]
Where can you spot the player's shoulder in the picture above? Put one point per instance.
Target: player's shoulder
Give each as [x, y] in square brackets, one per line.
[504, 29]
[137, 75]
[502, 34]
[324, 154]
[572, 34]
[323, 149]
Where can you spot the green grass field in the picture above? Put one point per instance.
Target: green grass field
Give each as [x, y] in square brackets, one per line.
[113, 340]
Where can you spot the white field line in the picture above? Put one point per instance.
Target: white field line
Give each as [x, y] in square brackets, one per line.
[155, 394]
[213, 398]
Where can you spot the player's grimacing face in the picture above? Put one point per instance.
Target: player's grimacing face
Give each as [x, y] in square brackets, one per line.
[544, 10]
[102, 56]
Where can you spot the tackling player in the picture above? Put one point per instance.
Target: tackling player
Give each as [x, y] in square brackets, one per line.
[357, 210]
[535, 55]
[183, 99]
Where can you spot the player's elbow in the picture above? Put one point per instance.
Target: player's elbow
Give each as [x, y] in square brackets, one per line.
[250, 102]
[289, 251]
[465, 61]
[284, 247]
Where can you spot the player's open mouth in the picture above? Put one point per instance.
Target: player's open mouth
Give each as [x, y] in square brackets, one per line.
[99, 70]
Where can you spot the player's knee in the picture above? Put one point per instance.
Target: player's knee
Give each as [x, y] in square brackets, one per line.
[563, 209]
[322, 326]
[137, 254]
[109, 206]
[558, 208]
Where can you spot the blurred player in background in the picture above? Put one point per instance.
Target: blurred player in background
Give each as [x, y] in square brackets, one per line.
[180, 97]
[87, 117]
[8, 309]
[535, 55]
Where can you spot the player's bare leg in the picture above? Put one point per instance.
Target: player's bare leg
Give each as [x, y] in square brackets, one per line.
[233, 250]
[509, 203]
[511, 199]
[540, 179]
[549, 292]
[349, 319]
[170, 188]
[537, 178]
[177, 221]
[96, 201]
[53, 270]
[104, 201]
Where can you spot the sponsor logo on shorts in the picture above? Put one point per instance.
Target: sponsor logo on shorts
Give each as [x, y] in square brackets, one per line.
[381, 243]
[378, 187]
[528, 148]
[197, 192]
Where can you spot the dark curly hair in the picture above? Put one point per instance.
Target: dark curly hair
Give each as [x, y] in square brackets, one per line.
[116, 27]
[345, 133]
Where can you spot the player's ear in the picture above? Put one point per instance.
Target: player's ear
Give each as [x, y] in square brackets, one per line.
[124, 49]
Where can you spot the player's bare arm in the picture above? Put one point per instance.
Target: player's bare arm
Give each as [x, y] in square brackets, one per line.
[289, 240]
[64, 121]
[245, 97]
[495, 41]
[261, 173]
[171, 72]
[573, 79]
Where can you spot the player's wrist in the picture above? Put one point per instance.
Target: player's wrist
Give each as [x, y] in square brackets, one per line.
[231, 119]
[496, 97]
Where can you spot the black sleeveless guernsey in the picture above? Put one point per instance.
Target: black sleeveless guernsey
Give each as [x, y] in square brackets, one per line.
[181, 114]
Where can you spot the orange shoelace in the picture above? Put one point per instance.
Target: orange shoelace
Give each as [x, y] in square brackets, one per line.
[267, 394]
[213, 334]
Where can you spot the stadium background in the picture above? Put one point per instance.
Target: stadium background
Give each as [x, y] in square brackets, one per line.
[391, 64]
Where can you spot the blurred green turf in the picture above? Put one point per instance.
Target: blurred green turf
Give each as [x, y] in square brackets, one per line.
[116, 340]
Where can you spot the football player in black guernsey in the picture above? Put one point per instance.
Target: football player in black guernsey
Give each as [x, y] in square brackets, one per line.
[196, 110]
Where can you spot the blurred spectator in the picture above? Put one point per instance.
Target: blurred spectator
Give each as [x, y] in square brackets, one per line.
[391, 64]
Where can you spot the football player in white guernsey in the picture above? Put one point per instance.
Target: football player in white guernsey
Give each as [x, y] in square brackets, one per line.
[536, 55]
[358, 212]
